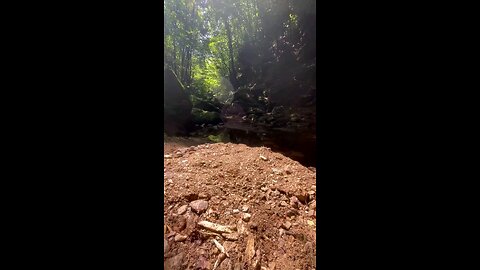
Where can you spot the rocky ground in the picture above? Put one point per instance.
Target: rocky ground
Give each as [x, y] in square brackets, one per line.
[230, 206]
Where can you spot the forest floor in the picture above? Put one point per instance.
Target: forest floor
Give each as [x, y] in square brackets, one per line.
[230, 206]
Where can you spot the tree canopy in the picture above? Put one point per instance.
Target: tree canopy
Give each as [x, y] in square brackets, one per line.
[218, 46]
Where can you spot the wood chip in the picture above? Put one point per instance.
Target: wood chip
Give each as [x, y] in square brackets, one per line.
[220, 259]
[220, 247]
[215, 227]
[250, 249]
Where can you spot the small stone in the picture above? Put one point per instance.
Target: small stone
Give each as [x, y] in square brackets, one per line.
[235, 211]
[245, 208]
[203, 195]
[231, 236]
[294, 202]
[178, 223]
[202, 264]
[199, 206]
[287, 225]
[182, 210]
[281, 231]
[167, 156]
[276, 171]
[291, 213]
[180, 238]
[175, 262]
[284, 204]
[246, 217]
[263, 158]
[311, 213]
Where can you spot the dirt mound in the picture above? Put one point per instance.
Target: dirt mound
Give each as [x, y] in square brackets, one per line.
[229, 206]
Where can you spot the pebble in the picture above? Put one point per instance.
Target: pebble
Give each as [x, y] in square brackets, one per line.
[294, 202]
[245, 208]
[276, 171]
[199, 206]
[202, 195]
[167, 156]
[263, 158]
[246, 217]
[287, 225]
[235, 211]
[180, 238]
[231, 236]
[182, 209]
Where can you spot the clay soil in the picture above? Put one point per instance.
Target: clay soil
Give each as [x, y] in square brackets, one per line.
[265, 201]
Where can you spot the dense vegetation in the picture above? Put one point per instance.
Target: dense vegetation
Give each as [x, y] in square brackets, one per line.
[254, 60]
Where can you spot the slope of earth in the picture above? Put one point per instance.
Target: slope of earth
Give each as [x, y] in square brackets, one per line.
[230, 206]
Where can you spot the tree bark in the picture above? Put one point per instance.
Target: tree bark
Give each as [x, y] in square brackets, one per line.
[230, 51]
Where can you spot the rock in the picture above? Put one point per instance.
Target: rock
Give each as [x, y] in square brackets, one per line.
[182, 209]
[294, 202]
[230, 236]
[235, 211]
[311, 213]
[263, 158]
[245, 208]
[281, 232]
[246, 217]
[199, 206]
[302, 197]
[167, 156]
[176, 262]
[284, 204]
[202, 264]
[203, 195]
[291, 213]
[287, 225]
[241, 228]
[180, 238]
[178, 222]
[166, 247]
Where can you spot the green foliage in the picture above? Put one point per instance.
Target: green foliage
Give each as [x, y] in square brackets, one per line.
[222, 137]
[203, 38]
[200, 117]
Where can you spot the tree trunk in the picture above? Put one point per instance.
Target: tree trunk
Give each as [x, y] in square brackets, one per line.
[230, 51]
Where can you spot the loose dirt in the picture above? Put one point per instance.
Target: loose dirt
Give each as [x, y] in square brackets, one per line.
[232, 207]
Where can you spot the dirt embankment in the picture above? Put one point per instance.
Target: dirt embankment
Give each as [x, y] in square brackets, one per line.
[230, 206]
